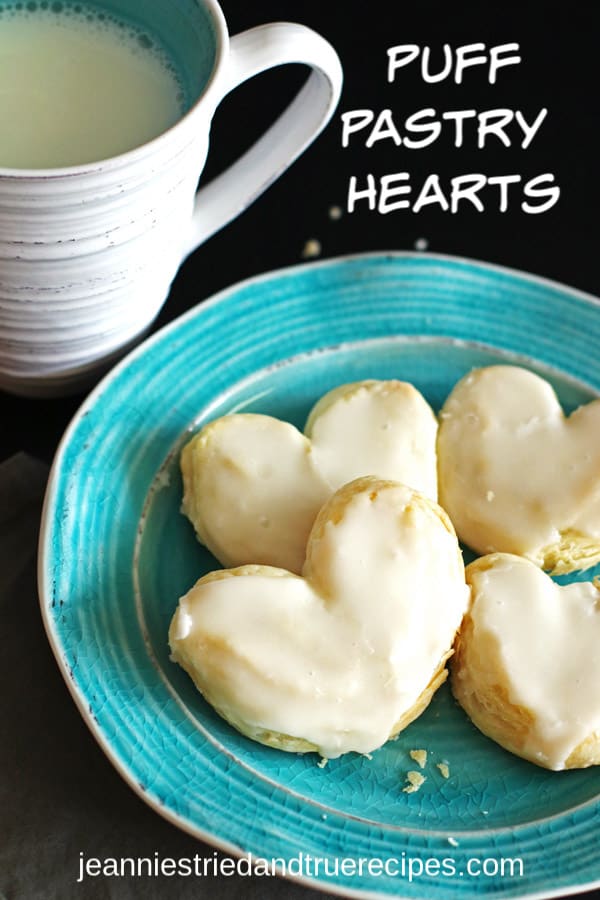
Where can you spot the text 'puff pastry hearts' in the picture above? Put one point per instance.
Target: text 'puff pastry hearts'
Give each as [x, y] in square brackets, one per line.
[527, 663]
[516, 475]
[253, 484]
[347, 655]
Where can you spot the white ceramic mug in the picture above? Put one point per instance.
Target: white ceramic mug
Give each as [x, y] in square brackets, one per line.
[88, 253]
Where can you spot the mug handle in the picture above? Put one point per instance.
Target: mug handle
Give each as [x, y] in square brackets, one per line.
[252, 52]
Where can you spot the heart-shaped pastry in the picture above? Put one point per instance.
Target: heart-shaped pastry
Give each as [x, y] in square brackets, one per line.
[347, 655]
[253, 484]
[527, 662]
[516, 475]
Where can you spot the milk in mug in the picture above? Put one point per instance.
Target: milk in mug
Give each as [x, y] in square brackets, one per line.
[78, 85]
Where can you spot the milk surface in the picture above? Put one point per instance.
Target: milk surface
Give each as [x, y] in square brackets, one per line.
[77, 85]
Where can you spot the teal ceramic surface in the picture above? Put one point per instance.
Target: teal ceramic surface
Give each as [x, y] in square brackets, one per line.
[116, 554]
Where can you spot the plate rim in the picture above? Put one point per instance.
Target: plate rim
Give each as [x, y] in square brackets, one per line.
[46, 523]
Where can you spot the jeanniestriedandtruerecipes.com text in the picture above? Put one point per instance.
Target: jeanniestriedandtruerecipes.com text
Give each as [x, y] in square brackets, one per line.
[303, 865]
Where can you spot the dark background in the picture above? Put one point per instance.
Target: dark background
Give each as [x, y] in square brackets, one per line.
[559, 70]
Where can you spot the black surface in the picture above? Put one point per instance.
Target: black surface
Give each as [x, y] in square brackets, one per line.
[559, 69]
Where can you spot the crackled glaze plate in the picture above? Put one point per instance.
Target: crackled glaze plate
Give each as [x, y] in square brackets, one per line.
[116, 554]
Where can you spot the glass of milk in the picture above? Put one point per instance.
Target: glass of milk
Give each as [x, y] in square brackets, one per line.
[105, 111]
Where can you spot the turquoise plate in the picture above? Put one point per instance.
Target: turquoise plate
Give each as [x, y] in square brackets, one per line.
[116, 554]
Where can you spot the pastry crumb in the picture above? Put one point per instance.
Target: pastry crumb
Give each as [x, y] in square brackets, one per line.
[419, 756]
[322, 762]
[490, 496]
[444, 769]
[415, 780]
[335, 213]
[453, 842]
[163, 480]
[421, 243]
[311, 249]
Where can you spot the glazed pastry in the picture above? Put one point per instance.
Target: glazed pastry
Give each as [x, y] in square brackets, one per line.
[253, 484]
[346, 655]
[527, 663]
[515, 475]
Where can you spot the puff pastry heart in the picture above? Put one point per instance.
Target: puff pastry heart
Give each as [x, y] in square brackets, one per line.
[527, 662]
[348, 654]
[253, 484]
[516, 475]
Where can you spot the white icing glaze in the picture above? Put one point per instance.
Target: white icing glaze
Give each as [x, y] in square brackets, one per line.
[514, 473]
[254, 484]
[546, 639]
[382, 428]
[338, 656]
[252, 490]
